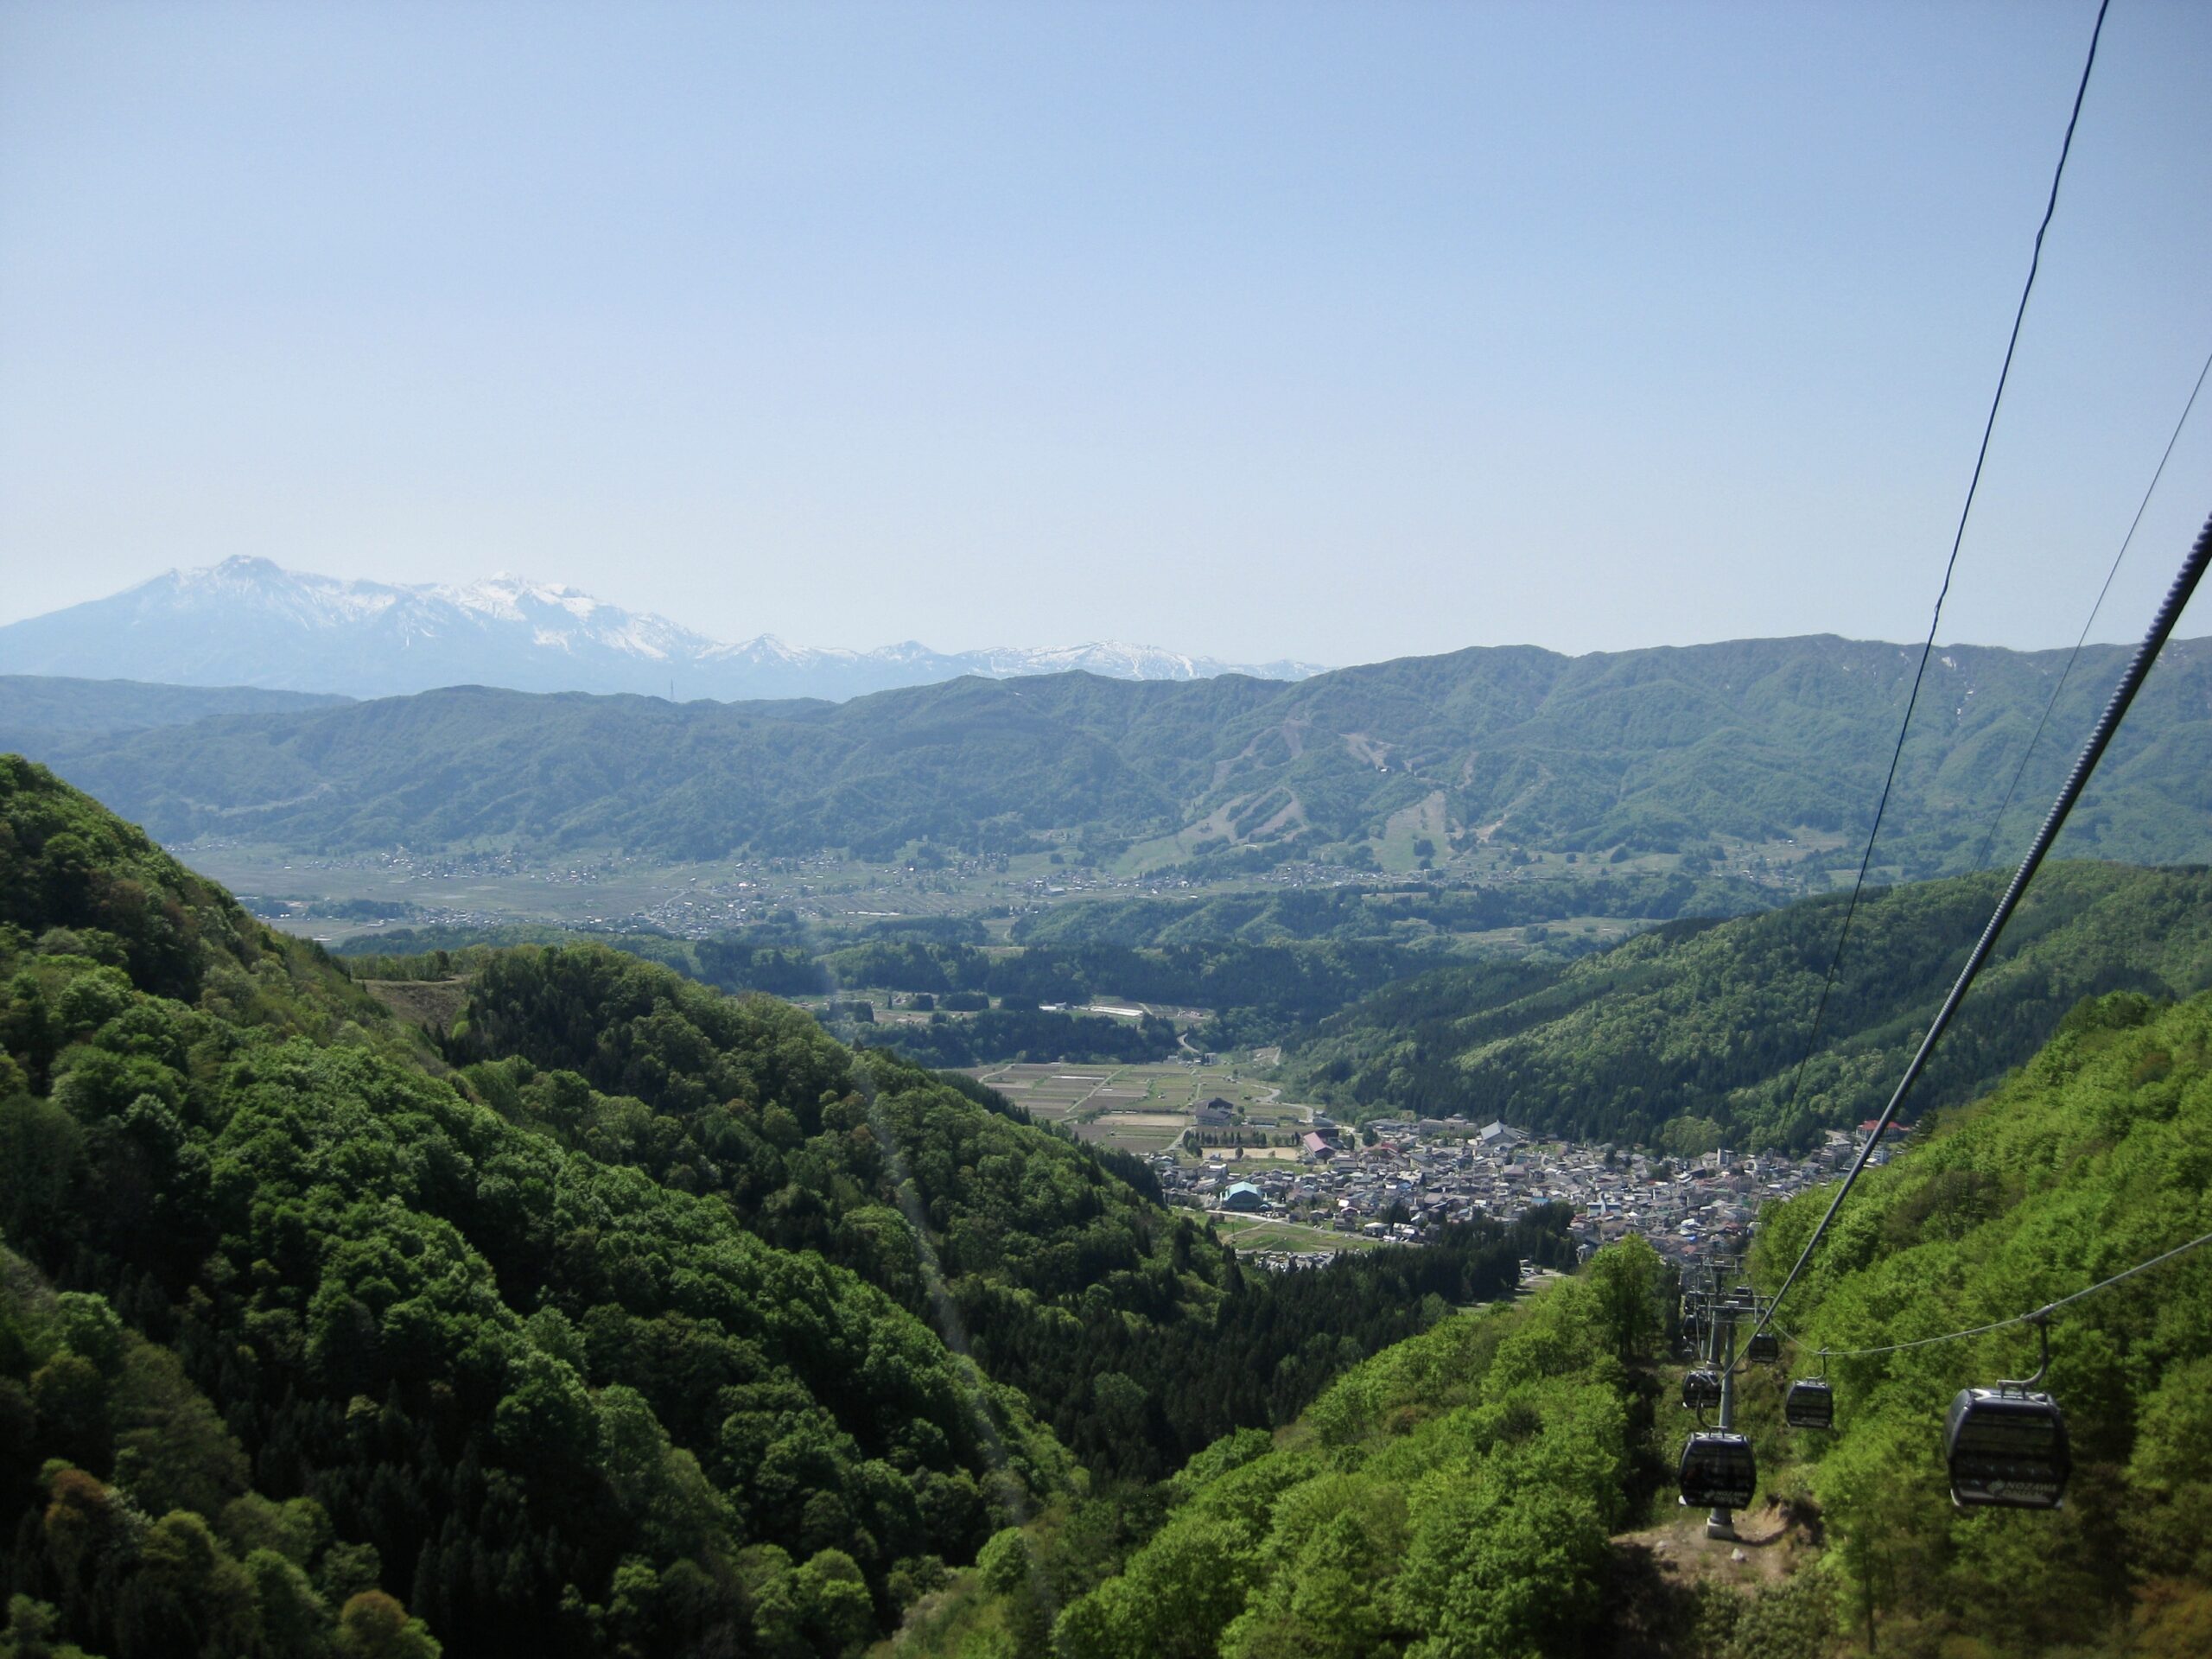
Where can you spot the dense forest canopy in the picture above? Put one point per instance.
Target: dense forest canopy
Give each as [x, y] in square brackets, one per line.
[1068, 1280]
[1408, 913]
[1645, 750]
[1453, 1495]
[537, 1397]
[614, 1315]
[1690, 1019]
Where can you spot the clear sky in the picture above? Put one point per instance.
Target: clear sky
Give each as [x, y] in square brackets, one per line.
[1339, 332]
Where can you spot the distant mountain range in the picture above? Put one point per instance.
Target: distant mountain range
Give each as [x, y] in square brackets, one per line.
[34, 709]
[1396, 763]
[250, 622]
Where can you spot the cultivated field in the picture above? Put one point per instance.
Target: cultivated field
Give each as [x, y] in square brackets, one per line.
[1143, 1108]
[1259, 1233]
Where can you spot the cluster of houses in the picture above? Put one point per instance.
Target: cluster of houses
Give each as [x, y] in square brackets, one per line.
[1402, 1180]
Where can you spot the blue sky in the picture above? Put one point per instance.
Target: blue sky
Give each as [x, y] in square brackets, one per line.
[1339, 332]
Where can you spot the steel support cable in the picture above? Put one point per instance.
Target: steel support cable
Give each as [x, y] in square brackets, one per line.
[1958, 539]
[2035, 1317]
[2131, 682]
[2127, 541]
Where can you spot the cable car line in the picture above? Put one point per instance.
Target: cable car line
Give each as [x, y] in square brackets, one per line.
[2005, 1445]
[2139, 667]
[2035, 1317]
[1958, 538]
[2019, 771]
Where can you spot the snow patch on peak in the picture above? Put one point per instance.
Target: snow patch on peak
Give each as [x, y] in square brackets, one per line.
[507, 594]
[247, 620]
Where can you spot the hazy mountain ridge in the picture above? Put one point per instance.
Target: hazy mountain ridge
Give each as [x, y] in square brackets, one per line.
[250, 622]
[1656, 750]
[34, 709]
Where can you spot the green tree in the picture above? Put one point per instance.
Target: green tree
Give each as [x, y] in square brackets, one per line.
[1689, 1137]
[1003, 1563]
[372, 1625]
[294, 1622]
[1626, 1280]
[34, 1631]
[71, 1398]
[188, 1596]
[832, 1601]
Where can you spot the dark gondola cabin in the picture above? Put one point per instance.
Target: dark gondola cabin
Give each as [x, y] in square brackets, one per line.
[2006, 1447]
[1701, 1390]
[1810, 1403]
[1718, 1471]
[1764, 1349]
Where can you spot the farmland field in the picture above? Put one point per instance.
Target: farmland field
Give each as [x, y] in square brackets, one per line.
[1255, 1233]
[1144, 1109]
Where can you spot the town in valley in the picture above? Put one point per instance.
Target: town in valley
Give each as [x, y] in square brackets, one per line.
[1291, 1187]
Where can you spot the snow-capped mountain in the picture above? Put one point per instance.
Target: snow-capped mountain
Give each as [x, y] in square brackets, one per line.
[252, 622]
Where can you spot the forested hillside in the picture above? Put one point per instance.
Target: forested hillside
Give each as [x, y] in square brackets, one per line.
[1644, 750]
[1503, 1483]
[608, 1314]
[1261, 964]
[2096, 1157]
[331, 1335]
[1453, 1495]
[1131, 1332]
[613, 1316]
[1707, 1021]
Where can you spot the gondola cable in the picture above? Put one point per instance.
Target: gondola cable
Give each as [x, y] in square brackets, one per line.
[2123, 694]
[1950, 565]
[1989, 837]
[2005, 1445]
[2035, 1317]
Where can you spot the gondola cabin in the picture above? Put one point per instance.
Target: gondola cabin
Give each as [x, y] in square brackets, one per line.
[2006, 1447]
[1701, 1390]
[1810, 1403]
[1718, 1471]
[1763, 1349]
